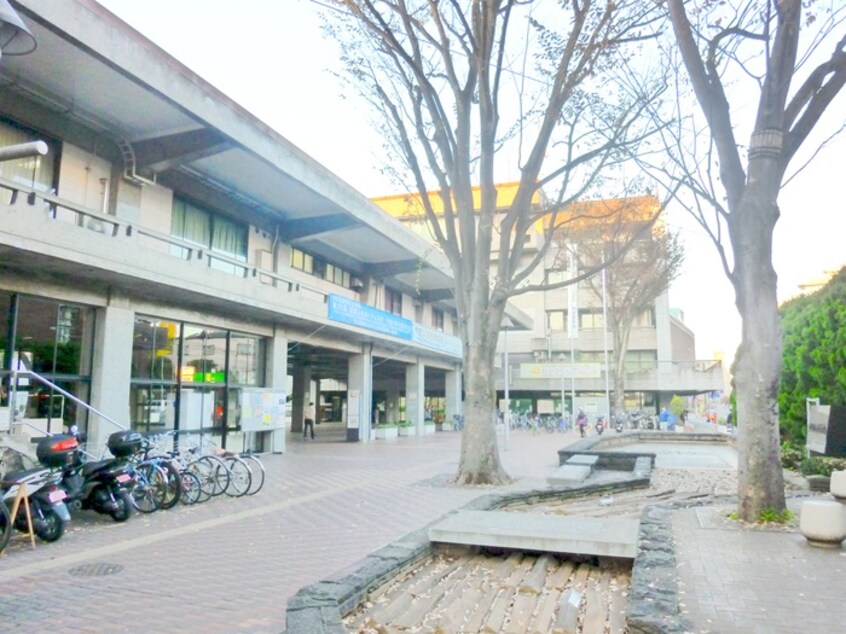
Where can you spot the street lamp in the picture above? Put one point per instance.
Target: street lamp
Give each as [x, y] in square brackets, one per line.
[15, 37]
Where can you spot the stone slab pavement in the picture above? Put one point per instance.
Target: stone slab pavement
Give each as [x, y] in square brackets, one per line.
[230, 565]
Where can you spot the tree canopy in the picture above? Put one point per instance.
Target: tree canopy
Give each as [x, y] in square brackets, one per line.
[814, 342]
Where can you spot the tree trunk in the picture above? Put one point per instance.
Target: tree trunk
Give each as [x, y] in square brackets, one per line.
[480, 463]
[758, 366]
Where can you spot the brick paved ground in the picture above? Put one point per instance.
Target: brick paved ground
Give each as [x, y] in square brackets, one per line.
[231, 564]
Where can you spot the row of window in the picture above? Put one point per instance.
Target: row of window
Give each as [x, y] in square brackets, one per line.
[591, 318]
[320, 268]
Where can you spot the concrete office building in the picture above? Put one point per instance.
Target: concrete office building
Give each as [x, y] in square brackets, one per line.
[555, 355]
[177, 264]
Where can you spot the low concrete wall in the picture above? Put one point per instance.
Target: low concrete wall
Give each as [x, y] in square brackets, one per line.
[320, 607]
[621, 461]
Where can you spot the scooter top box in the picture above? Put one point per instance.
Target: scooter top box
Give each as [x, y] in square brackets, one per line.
[56, 451]
[123, 444]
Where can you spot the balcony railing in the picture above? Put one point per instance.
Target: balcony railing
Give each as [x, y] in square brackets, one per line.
[66, 211]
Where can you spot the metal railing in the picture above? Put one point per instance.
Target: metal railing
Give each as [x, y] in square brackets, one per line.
[40, 379]
[182, 249]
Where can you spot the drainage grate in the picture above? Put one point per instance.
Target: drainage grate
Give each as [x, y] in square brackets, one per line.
[95, 570]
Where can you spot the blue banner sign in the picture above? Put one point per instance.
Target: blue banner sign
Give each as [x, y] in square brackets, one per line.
[437, 340]
[360, 315]
[363, 316]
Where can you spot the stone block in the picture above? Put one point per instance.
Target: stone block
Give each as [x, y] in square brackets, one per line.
[837, 486]
[823, 523]
[604, 536]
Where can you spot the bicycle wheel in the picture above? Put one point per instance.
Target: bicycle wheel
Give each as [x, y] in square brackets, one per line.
[218, 474]
[5, 526]
[145, 497]
[205, 474]
[240, 477]
[257, 473]
[191, 489]
[172, 485]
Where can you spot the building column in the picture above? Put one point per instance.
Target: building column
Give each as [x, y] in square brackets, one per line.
[393, 395]
[276, 379]
[415, 385]
[454, 404]
[360, 395]
[317, 400]
[111, 371]
[300, 397]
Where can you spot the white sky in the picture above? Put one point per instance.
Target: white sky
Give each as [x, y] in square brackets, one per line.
[270, 56]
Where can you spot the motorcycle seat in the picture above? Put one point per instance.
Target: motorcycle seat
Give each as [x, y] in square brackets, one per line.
[15, 476]
[90, 467]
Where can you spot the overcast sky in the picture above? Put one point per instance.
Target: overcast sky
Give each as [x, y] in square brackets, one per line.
[269, 56]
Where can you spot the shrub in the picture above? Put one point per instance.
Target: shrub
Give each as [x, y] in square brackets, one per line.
[821, 465]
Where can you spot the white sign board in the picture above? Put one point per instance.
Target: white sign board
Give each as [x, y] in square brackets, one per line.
[262, 409]
[560, 370]
[817, 437]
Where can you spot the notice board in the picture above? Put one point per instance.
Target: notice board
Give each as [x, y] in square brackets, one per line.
[262, 409]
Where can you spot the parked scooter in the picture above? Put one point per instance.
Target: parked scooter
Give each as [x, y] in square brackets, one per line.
[46, 498]
[618, 426]
[600, 425]
[102, 485]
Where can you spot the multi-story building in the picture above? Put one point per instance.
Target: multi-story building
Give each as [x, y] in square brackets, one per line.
[567, 349]
[174, 263]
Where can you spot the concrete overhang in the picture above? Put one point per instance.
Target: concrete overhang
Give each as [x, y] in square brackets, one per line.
[95, 69]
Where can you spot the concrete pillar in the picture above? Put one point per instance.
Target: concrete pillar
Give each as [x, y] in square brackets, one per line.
[415, 384]
[317, 400]
[454, 404]
[300, 397]
[111, 371]
[393, 395]
[276, 378]
[360, 396]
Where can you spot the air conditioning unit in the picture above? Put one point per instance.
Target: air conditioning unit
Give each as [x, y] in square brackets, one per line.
[357, 284]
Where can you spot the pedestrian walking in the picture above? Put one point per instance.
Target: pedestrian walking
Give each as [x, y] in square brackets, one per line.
[309, 420]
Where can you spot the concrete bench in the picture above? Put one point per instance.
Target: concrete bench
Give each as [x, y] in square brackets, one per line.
[604, 536]
[575, 469]
[569, 474]
[583, 459]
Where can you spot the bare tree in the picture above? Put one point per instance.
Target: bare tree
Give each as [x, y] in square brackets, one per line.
[466, 91]
[653, 259]
[733, 190]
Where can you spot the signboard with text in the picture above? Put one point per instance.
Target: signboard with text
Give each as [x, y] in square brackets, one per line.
[560, 370]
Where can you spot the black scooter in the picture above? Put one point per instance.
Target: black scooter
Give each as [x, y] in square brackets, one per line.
[46, 498]
[102, 486]
[600, 425]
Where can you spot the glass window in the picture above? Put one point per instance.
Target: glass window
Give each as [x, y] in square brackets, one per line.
[209, 230]
[437, 319]
[53, 339]
[190, 376]
[246, 359]
[35, 172]
[556, 320]
[590, 318]
[393, 301]
[155, 349]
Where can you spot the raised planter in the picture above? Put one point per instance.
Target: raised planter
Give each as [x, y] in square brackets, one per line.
[384, 432]
[429, 428]
[407, 430]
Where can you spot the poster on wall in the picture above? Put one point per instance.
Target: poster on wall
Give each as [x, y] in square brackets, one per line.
[262, 409]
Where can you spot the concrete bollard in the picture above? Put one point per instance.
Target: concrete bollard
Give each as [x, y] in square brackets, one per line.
[838, 485]
[823, 523]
